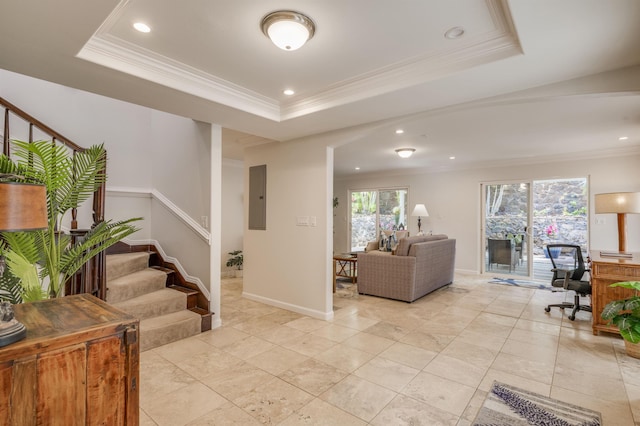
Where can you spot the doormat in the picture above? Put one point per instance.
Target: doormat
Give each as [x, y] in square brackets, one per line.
[508, 405]
[523, 283]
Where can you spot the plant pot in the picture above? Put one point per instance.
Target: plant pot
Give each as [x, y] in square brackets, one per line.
[633, 349]
[555, 252]
[238, 273]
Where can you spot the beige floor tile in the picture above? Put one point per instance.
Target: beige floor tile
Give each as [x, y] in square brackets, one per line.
[277, 359]
[594, 384]
[428, 341]
[179, 408]
[227, 414]
[538, 327]
[309, 345]
[159, 377]
[182, 349]
[306, 324]
[282, 316]
[487, 341]
[478, 356]
[255, 325]
[359, 397]
[541, 371]
[387, 373]
[344, 357]
[335, 333]
[249, 347]
[273, 401]
[506, 307]
[613, 414]
[280, 334]
[457, 370]
[492, 324]
[540, 339]
[441, 393]
[313, 376]
[387, 330]
[408, 355]
[233, 383]
[207, 363]
[355, 321]
[145, 420]
[633, 393]
[470, 413]
[320, 413]
[368, 343]
[532, 351]
[223, 336]
[408, 411]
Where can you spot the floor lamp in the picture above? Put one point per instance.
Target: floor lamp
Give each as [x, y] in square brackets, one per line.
[620, 203]
[23, 207]
[420, 210]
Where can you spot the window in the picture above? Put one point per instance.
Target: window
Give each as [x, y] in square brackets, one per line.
[375, 210]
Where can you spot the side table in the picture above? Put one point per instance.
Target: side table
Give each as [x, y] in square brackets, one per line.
[345, 265]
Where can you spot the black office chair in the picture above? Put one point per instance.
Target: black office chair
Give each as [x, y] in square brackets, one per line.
[568, 271]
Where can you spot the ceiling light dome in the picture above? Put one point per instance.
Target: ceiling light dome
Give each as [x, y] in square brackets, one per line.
[405, 152]
[287, 29]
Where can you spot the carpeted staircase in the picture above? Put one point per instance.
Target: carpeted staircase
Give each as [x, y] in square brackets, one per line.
[140, 290]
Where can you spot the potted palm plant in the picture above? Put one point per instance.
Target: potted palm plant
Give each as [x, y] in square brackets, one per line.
[40, 262]
[236, 259]
[625, 314]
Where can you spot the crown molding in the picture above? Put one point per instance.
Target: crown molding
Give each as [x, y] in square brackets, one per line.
[115, 53]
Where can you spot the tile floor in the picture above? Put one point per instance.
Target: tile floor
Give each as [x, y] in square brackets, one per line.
[384, 362]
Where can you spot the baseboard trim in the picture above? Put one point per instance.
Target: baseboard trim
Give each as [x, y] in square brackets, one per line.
[326, 316]
[173, 260]
[466, 272]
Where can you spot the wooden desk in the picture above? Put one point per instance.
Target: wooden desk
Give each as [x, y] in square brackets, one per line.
[605, 271]
[78, 365]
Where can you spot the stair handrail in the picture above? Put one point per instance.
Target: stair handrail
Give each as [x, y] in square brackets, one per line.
[93, 275]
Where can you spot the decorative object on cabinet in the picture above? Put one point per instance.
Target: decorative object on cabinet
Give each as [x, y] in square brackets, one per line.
[625, 314]
[606, 271]
[620, 203]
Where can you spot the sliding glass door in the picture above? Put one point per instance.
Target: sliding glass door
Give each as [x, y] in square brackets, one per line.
[373, 211]
[520, 219]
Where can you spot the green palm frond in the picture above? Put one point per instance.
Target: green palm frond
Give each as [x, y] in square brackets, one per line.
[10, 288]
[28, 273]
[99, 238]
[24, 244]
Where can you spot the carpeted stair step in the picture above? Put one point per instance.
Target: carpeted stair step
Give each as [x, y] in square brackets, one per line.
[119, 265]
[161, 302]
[158, 331]
[135, 284]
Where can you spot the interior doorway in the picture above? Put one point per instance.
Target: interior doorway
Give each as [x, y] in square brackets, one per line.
[520, 218]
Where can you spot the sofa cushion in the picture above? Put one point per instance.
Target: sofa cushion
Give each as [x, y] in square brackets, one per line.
[405, 244]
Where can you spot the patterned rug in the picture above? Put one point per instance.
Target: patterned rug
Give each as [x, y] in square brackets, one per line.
[510, 406]
[522, 283]
[346, 289]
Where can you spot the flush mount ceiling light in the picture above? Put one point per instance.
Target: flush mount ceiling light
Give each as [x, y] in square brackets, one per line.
[142, 27]
[453, 33]
[287, 29]
[405, 152]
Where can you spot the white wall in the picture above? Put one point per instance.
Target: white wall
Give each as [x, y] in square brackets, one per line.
[288, 265]
[453, 200]
[232, 211]
[148, 152]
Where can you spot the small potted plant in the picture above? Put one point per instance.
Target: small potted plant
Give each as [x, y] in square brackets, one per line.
[625, 314]
[236, 259]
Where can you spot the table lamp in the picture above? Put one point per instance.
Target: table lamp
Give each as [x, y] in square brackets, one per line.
[23, 207]
[620, 203]
[420, 210]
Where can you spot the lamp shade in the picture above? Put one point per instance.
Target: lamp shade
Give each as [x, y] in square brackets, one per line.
[618, 202]
[23, 206]
[420, 210]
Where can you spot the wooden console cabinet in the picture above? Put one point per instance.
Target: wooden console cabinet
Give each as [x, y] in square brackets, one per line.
[605, 271]
[78, 365]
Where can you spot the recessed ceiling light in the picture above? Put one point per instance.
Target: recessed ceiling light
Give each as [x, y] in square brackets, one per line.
[452, 158]
[357, 168]
[288, 92]
[623, 138]
[405, 152]
[453, 33]
[399, 132]
[142, 27]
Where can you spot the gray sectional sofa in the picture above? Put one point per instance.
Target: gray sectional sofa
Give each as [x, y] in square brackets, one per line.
[420, 265]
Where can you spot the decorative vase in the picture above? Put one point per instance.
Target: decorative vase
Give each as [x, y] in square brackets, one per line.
[633, 349]
[555, 252]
